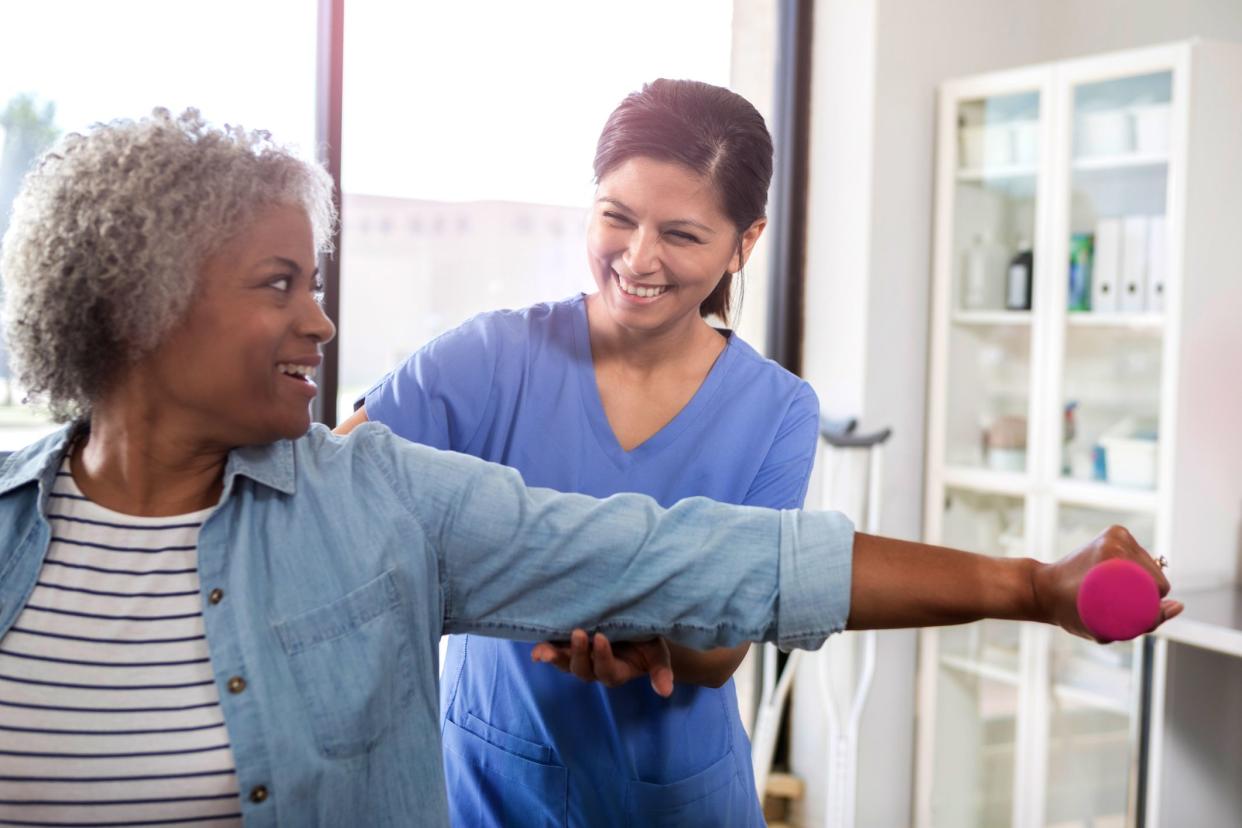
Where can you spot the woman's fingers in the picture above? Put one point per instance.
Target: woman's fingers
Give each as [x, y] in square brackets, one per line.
[1127, 547]
[1170, 609]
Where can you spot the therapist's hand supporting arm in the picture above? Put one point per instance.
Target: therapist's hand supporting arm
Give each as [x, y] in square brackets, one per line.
[598, 659]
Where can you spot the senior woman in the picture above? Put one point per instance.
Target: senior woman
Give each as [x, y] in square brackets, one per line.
[210, 609]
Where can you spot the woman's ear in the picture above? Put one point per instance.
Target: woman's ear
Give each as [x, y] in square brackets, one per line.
[746, 243]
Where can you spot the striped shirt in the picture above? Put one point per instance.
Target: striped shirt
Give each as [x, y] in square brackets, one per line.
[109, 714]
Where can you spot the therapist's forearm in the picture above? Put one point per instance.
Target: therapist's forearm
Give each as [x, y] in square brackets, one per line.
[897, 584]
[707, 668]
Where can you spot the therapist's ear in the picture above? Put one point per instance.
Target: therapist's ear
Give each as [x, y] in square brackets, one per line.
[746, 243]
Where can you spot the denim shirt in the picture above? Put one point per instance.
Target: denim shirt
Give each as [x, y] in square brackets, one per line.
[342, 560]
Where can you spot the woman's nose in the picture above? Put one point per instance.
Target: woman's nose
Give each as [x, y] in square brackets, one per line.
[315, 323]
[643, 255]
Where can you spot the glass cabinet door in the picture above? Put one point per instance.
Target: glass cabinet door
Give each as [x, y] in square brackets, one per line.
[1092, 702]
[1115, 280]
[992, 280]
[978, 676]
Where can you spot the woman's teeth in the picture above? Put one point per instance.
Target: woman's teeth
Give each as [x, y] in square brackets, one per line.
[294, 370]
[641, 291]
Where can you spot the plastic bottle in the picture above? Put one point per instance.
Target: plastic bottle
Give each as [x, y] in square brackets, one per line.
[974, 275]
[1018, 283]
[1069, 431]
[1081, 255]
[983, 274]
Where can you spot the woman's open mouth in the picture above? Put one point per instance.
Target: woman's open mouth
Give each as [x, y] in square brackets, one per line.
[304, 375]
[636, 291]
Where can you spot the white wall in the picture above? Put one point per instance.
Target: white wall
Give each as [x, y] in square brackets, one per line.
[877, 64]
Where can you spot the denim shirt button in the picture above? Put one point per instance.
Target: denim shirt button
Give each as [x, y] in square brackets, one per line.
[237, 684]
[216, 596]
[258, 794]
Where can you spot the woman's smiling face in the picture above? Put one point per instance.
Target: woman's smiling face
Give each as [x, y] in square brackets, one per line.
[659, 243]
[239, 368]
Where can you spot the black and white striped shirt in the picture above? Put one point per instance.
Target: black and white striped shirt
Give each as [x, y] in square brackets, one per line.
[108, 711]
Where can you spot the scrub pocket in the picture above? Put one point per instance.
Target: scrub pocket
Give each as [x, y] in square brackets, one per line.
[352, 665]
[497, 779]
[715, 796]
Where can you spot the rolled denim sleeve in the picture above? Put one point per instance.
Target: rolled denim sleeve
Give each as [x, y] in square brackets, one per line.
[529, 564]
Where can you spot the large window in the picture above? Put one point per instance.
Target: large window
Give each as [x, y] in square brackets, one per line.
[66, 65]
[467, 139]
[468, 134]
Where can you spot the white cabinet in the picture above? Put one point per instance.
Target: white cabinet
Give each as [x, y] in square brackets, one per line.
[1110, 395]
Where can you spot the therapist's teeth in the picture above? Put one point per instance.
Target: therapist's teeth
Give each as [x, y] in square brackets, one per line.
[641, 291]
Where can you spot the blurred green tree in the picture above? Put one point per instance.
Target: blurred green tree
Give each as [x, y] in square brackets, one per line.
[26, 130]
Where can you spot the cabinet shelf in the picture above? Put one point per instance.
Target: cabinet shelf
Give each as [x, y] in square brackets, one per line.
[1072, 694]
[1105, 496]
[1129, 161]
[988, 318]
[979, 175]
[980, 669]
[1212, 621]
[1152, 322]
[987, 481]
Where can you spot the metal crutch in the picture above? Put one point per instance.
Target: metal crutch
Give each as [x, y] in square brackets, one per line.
[776, 682]
[842, 739]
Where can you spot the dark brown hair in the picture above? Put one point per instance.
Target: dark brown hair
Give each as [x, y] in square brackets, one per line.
[709, 129]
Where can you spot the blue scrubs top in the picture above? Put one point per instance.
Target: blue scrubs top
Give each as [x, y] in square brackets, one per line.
[527, 745]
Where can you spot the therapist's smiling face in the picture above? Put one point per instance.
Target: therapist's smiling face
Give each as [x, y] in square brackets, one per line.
[658, 243]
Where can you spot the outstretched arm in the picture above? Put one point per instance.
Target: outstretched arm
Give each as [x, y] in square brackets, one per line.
[903, 584]
[531, 564]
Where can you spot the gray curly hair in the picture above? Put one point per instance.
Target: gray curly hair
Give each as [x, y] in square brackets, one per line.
[110, 230]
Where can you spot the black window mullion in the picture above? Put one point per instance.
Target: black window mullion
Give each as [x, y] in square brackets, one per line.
[791, 130]
[328, 96]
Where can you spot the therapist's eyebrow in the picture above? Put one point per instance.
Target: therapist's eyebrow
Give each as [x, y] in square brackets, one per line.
[691, 222]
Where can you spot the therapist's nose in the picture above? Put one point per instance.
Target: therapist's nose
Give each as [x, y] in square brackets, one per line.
[643, 255]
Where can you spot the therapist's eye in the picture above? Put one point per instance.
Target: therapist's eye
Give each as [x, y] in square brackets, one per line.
[281, 283]
[616, 218]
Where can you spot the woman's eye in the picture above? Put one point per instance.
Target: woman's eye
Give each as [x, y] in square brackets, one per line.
[684, 236]
[617, 217]
[281, 284]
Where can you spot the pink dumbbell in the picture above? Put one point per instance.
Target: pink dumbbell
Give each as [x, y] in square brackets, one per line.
[1118, 600]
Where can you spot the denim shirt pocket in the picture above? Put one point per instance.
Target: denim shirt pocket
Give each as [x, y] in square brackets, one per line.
[352, 665]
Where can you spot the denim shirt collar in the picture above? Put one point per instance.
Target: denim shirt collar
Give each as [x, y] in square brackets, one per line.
[271, 464]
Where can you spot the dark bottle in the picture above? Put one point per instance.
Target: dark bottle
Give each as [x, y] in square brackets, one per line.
[1019, 278]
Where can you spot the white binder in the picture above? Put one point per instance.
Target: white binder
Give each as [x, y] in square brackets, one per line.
[1106, 275]
[1157, 264]
[1133, 297]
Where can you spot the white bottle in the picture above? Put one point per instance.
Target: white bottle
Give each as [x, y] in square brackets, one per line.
[975, 275]
[984, 268]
